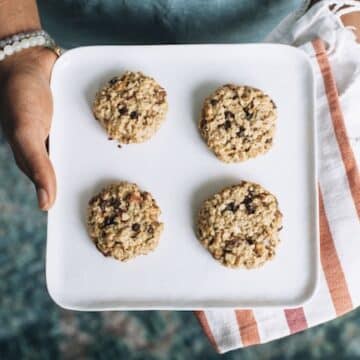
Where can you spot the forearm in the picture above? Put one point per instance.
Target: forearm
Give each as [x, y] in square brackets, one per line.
[17, 16]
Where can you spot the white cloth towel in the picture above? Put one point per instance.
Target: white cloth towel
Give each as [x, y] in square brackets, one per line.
[336, 59]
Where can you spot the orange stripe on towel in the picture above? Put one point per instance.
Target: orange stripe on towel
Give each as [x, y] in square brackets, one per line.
[331, 265]
[200, 315]
[248, 327]
[347, 155]
[296, 320]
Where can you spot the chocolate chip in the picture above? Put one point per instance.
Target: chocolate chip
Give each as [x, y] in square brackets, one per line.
[274, 105]
[268, 141]
[202, 123]
[232, 207]
[109, 220]
[113, 80]
[110, 138]
[123, 110]
[136, 227]
[92, 200]
[241, 131]
[247, 200]
[103, 204]
[134, 115]
[280, 228]
[114, 202]
[227, 125]
[248, 116]
[235, 97]
[250, 207]
[232, 243]
[213, 102]
[150, 230]
[250, 240]
[145, 195]
[229, 115]
[119, 146]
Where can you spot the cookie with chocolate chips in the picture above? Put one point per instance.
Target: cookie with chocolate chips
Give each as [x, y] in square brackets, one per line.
[238, 122]
[123, 221]
[240, 225]
[131, 107]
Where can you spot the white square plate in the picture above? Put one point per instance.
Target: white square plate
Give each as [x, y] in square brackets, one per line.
[180, 172]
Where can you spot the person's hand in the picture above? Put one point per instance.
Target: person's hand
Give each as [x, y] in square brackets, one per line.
[26, 112]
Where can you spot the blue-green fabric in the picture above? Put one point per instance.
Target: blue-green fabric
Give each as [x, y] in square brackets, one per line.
[80, 22]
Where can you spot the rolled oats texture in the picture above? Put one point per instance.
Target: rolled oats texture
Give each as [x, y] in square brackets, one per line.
[239, 226]
[238, 122]
[131, 107]
[123, 221]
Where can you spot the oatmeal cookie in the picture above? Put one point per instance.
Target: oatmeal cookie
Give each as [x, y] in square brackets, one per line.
[123, 221]
[239, 225]
[131, 107]
[238, 122]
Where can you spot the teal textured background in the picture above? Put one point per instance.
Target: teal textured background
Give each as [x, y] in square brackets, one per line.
[80, 22]
[31, 325]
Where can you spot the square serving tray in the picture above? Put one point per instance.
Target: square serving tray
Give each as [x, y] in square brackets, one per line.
[180, 172]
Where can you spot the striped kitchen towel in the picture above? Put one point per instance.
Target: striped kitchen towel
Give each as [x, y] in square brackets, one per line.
[336, 60]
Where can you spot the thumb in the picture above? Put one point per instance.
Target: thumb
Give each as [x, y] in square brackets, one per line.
[32, 158]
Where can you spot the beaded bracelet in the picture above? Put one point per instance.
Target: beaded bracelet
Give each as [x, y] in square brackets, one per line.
[18, 42]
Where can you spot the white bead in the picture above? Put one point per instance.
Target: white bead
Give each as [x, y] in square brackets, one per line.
[25, 43]
[37, 40]
[8, 50]
[16, 46]
[40, 40]
[32, 42]
[2, 55]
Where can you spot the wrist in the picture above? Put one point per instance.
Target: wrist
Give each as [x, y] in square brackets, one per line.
[40, 57]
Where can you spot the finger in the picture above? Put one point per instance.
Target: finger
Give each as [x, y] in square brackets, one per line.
[32, 158]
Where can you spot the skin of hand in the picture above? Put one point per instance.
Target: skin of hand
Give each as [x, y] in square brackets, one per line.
[25, 113]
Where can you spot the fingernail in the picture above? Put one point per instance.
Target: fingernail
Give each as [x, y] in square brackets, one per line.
[43, 198]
